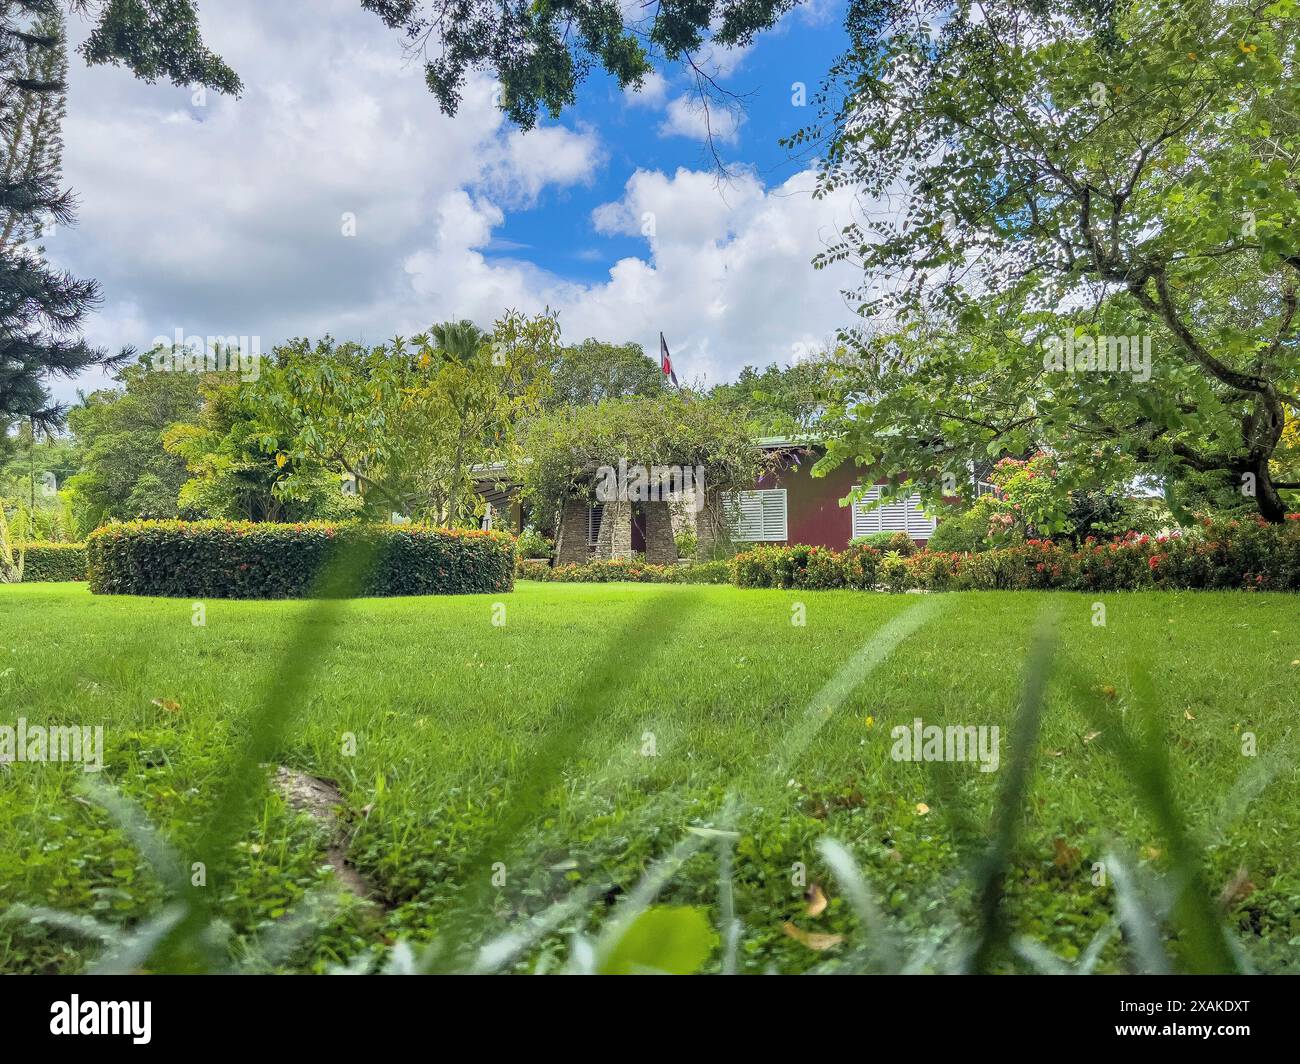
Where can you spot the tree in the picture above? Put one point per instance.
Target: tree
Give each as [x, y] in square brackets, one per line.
[411, 421]
[41, 307]
[124, 470]
[1103, 179]
[780, 399]
[233, 476]
[593, 370]
[566, 447]
[540, 53]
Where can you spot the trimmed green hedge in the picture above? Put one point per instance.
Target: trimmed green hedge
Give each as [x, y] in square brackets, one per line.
[1249, 554]
[49, 562]
[223, 559]
[602, 572]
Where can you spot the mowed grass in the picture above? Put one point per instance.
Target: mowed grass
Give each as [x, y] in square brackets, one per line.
[651, 704]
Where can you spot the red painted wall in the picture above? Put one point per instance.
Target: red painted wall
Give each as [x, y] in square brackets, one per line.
[813, 513]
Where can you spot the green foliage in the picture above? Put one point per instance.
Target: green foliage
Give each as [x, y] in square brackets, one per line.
[157, 39]
[216, 559]
[410, 422]
[966, 530]
[1252, 555]
[32, 475]
[686, 542]
[885, 542]
[533, 569]
[234, 476]
[780, 400]
[594, 370]
[125, 473]
[566, 446]
[532, 544]
[540, 53]
[607, 571]
[803, 566]
[53, 561]
[1153, 199]
[42, 306]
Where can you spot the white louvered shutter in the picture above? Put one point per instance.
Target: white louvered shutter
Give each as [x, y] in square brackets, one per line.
[900, 515]
[757, 516]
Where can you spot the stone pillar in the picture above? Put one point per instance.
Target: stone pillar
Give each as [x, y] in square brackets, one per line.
[712, 539]
[615, 537]
[660, 547]
[571, 542]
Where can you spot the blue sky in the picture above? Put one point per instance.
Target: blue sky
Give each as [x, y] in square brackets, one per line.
[558, 233]
[217, 216]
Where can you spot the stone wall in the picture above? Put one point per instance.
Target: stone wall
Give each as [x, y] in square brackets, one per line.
[615, 538]
[660, 547]
[571, 544]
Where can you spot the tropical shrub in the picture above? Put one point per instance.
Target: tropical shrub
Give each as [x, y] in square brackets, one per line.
[532, 544]
[606, 571]
[533, 569]
[48, 562]
[222, 559]
[887, 541]
[687, 542]
[1250, 554]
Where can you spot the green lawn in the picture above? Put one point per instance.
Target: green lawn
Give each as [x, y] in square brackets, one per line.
[451, 714]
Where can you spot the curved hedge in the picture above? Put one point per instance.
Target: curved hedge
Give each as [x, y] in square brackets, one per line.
[50, 562]
[223, 559]
[1247, 554]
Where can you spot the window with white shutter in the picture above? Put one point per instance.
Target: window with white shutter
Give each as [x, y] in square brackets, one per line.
[756, 516]
[897, 515]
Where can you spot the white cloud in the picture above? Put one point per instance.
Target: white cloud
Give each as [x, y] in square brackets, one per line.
[726, 273]
[690, 116]
[652, 93]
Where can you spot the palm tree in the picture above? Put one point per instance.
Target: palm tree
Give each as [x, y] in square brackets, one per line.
[458, 340]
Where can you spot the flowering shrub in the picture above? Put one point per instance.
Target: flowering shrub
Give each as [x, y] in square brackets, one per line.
[533, 569]
[244, 559]
[606, 571]
[1250, 554]
[817, 568]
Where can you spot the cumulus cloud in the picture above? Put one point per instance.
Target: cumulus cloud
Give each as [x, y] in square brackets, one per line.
[690, 116]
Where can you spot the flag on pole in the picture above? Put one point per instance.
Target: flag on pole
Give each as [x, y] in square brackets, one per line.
[665, 362]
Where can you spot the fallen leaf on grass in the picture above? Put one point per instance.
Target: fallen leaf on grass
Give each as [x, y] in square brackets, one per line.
[1236, 890]
[816, 899]
[1090, 736]
[1188, 714]
[169, 704]
[812, 939]
[922, 809]
[1067, 856]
